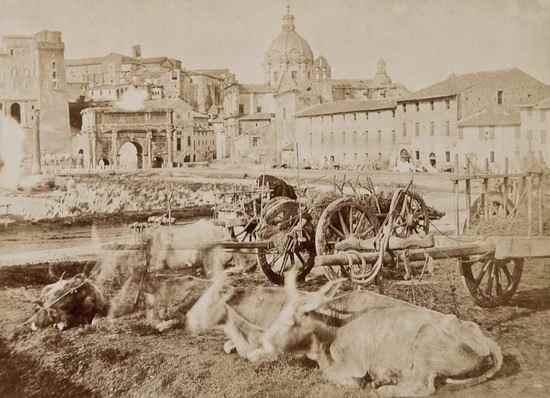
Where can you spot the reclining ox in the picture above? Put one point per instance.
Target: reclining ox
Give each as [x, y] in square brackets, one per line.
[401, 348]
[243, 314]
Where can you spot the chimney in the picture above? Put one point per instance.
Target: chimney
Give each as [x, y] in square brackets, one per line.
[136, 51]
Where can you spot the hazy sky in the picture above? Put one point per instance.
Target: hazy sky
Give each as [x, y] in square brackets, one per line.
[422, 40]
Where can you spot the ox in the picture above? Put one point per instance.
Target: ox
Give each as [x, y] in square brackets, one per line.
[243, 314]
[401, 348]
[68, 303]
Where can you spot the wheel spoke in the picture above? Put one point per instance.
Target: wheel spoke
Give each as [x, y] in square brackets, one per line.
[351, 220]
[361, 218]
[365, 232]
[343, 223]
[498, 286]
[481, 274]
[506, 271]
[490, 277]
[338, 232]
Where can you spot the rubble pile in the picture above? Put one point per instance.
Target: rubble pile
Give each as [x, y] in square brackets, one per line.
[117, 195]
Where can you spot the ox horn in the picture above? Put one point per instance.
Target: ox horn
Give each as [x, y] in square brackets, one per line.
[324, 295]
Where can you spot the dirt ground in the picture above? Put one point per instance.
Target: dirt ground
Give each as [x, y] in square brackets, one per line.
[130, 359]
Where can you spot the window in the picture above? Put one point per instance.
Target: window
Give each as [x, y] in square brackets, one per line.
[448, 103]
[447, 128]
[379, 136]
[447, 156]
[499, 97]
[492, 156]
[178, 144]
[417, 129]
[543, 136]
[460, 133]
[343, 137]
[404, 108]
[354, 142]
[366, 136]
[517, 132]
[54, 75]
[432, 105]
[188, 140]
[174, 75]
[284, 113]
[241, 108]
[366, 116]
[542, 115]
[12, 51]
[55, 86]
[492, 133]
[354, 116]
[417, 106]
[53, 64]
[393, 138]
[404, 129]
[258, 109]
[294, 74]
[432, 129]
[393, 113]
[417, 155]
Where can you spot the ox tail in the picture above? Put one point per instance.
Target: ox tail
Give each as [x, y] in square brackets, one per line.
[496, 355]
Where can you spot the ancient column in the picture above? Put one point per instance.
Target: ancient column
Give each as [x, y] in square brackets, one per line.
[149, 145]
[92, 151]
[169, 133]
[114, 151]
[36, 163]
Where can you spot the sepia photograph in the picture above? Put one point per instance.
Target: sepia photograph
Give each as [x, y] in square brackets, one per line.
[274, 198]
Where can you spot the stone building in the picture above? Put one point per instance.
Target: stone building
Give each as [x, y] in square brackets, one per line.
[164, 133]
[295, 79]
[32, 76]
[430, 118]
[108, 78]
[346, 133]
[532, 139]
[207, 89]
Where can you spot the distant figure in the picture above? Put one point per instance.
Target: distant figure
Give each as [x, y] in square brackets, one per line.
[101, 164]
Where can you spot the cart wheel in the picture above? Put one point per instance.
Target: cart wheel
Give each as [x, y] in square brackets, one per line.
[411, 215]
[292, 252]
[282, 213]
[495, 206]
[491, 282]
[343, 219]
[244, 233]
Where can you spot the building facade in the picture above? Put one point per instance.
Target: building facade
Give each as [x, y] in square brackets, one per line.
[161, 134]
[32, 77]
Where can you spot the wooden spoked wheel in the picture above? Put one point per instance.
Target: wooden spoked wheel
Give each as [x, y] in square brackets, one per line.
[245, 232]
[343, 219]
[294, 251]
[411, 215]
[495, 206]
[491, 282]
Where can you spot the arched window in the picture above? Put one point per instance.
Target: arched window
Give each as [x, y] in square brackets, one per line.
[15, 112]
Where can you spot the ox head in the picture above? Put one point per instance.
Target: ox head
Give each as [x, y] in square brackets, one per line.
[299, 327]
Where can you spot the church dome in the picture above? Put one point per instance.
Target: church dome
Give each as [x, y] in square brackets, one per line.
[289, 46]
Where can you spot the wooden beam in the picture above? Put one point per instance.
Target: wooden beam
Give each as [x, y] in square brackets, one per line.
[458, 250]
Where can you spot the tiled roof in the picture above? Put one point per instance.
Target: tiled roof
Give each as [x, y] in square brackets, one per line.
[456, 84]
[125, 60]
[491, 117]
[213, 72]
[257, 116]
[255, 88]
[346, 106]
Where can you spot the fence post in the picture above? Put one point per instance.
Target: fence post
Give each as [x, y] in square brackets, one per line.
[540, 204]
[505, 183]
[484, 190]
[468, 192]
[529, 203]
[457, 195]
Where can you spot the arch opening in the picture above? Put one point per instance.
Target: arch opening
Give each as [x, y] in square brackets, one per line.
[130, 155]
[15, 112]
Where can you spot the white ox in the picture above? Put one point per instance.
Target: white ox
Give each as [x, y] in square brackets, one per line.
[244, 314]
[400, 348]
